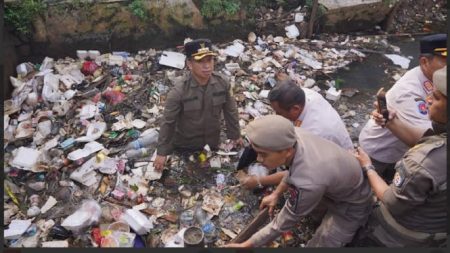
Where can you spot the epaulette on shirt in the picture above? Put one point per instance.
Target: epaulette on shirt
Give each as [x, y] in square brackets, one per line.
[221, 76]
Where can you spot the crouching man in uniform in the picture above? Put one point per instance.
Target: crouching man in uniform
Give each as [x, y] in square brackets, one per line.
[412, 211]
[320, 172]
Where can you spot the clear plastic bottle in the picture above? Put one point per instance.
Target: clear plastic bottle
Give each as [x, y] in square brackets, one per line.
[143, 141]
[208, 227]
[133, 153]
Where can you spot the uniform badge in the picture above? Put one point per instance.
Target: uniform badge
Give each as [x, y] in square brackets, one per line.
[422, 106]
[293, 196]
[398, 179]
[428, 86]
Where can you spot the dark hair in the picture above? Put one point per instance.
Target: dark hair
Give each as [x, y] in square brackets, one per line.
[287, 94]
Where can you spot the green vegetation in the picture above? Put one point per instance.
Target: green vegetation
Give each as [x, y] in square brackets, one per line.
[321, 10]
[212, 8]
[20, 14]
[138, 9]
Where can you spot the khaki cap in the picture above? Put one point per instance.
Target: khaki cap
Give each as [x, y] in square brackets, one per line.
[440, 80]
[272, 132]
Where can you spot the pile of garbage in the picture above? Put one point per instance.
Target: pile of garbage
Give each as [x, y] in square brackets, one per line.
[80, 136]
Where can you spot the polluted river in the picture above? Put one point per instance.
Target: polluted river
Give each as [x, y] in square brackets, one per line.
[80, 135]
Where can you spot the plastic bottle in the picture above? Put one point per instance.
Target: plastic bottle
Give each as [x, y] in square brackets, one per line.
[209, 229]
[144, 141]
[133, 153]
[220, 181]
[200, 215]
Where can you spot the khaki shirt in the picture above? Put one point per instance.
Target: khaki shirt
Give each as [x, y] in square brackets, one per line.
[417, 197]
[192, 115]
[321, 170]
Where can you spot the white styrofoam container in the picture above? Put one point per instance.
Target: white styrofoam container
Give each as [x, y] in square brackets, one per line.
[137, 221]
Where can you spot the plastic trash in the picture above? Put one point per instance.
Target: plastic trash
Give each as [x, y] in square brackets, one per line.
[51, 202]
[87, 150]
[66, 144]
[25, 158]
[16, 229]
[94, 131]
[177, 240]
[137, 221]
[24, 68]
[89, 111]
[144, 141]
[187, 219]
[114, 97]
[50, 90]
[210, 232]
[235, 50]
[133, 153]
[401, 61]
[59, 232]
[220, 181]
[333, 94]
[172, 59]
[88, 214]
[292, 31]
[115, 60]
[257, 169]
[48, 63]
[55, 244]
[89, 67]
[208, 228]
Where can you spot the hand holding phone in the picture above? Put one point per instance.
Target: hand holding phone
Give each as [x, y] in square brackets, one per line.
[382, 104]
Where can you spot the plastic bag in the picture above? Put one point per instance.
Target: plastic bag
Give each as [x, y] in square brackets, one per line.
[88, 214]
[89, 67]
[257, 169]
[114, 97]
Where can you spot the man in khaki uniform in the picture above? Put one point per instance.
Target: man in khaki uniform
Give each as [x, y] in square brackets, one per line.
[412, 211]
[194, 107]
[320, 172]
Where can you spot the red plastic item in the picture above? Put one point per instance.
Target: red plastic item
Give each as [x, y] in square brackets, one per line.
[97, 97]
[88, 68]
[96, 235]
[114, 97]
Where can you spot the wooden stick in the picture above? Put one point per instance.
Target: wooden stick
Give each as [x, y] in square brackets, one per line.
[312, 19]
[251, 228]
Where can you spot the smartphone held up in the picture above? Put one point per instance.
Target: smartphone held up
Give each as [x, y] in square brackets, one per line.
[381, 103]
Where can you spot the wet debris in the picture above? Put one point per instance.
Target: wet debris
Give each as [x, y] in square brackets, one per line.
[80, 137]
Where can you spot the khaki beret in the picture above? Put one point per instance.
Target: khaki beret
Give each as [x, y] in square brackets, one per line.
[440, 80]
[272, 132]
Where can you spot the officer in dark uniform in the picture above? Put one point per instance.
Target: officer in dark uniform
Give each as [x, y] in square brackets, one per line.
[412, 211]
[194, 107]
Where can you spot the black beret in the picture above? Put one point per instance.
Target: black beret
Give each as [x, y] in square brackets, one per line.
[434, 44]
[198, 49]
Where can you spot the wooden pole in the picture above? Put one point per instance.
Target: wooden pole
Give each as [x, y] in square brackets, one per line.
[251, 228]
[312, 18]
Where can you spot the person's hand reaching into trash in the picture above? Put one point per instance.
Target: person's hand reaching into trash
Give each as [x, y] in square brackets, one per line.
[249, 182]
[160, 160]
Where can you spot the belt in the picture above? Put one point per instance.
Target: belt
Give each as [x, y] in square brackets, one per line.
[391, 224]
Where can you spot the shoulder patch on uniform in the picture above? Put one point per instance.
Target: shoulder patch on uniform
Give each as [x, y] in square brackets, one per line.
[398, 179]
[428, 86]
[422, 107]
